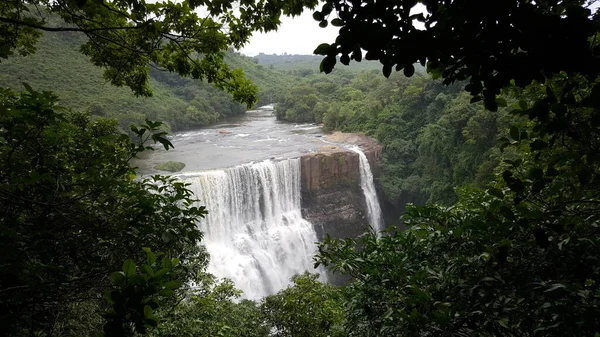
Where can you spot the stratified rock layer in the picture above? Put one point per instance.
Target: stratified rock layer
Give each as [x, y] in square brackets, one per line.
[332, 198]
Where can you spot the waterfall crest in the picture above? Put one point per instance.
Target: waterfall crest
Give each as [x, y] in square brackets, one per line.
[254, 231]
[368, 187]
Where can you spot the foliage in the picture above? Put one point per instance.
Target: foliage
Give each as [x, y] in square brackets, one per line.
[520, 257]
[135, 296]
[180, 103]
[170, 166]
[517, 259]
[126, 37]
[72, 209]
[212, 309]
[300, 104]
[489, 44]
[304, 65]
[434, 139]
[479, 268]
[308, 308]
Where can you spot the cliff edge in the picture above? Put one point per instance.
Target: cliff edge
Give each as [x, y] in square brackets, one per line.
[332, 198]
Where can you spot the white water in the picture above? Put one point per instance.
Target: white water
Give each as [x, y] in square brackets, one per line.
[254, 231]
[368, 187]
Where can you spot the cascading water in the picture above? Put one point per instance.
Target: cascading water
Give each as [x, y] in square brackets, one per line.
[368, 187]
[254, 231]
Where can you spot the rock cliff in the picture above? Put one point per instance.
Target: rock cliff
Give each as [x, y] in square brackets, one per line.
[332, 198]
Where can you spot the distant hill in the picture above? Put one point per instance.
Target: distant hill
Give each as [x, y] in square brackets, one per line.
[180, 102]
[300, 64]
[304, 65]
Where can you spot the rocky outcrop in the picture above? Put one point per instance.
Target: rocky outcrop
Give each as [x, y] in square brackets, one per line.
[332, 198]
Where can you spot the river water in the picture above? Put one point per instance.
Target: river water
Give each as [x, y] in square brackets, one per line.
[252, 137]
[246, 172]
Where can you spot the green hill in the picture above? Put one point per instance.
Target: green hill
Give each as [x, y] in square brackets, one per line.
[309, 64]
[181, 103]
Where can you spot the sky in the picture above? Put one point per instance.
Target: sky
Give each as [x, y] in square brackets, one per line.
[299, 35]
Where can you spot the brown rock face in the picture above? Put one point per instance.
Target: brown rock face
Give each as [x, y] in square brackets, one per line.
[332, 198]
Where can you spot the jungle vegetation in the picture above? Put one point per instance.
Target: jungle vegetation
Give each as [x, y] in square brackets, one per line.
[500, 148]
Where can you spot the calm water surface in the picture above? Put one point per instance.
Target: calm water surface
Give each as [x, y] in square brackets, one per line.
[254, 136]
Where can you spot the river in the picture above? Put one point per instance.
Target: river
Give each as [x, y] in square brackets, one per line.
[252, 137]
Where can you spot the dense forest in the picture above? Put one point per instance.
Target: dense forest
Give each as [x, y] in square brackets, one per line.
[496, 143]
[180, 103]
[434, 139]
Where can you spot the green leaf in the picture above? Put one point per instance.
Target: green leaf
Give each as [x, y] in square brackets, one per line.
[327, 64]
[507, 212]
[322, 49]
[475, 99]
[523, 105]
[387, 70]
[337, 22]
[166, 263]
[409, 70]
[166, 292]
[536, 173]
[535, 214]
[538, 186]
[514, 132]
[27, 87]
[128, 268]
[148, 313]
[537, 145]
[345, 59]
[161, 272]
[501, 102]
[495, 192]
[150, 256]
[554, 287]
[147, 270]
[584, 175]
[118, 277]
[173, 284]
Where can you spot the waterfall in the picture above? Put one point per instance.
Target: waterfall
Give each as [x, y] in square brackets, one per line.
[368, 187]
[254, 231]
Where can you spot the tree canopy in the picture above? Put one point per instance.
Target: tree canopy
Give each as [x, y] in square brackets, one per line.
[489, 43]
[127, 37]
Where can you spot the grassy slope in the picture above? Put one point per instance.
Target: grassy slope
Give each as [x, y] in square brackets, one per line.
[58, 66]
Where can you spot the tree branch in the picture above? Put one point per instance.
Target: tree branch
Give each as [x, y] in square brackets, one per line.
[64, 29]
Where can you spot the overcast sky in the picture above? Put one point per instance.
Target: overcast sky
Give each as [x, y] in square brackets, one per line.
[299, 35]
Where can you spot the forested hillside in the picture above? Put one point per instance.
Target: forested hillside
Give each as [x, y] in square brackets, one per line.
[179, 102]
[434, 139]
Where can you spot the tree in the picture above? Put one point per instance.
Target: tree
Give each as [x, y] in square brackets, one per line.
[519, 257]
[490, 44]
[307, 308]
[213, 308]
[127, 37]
[72, 209]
